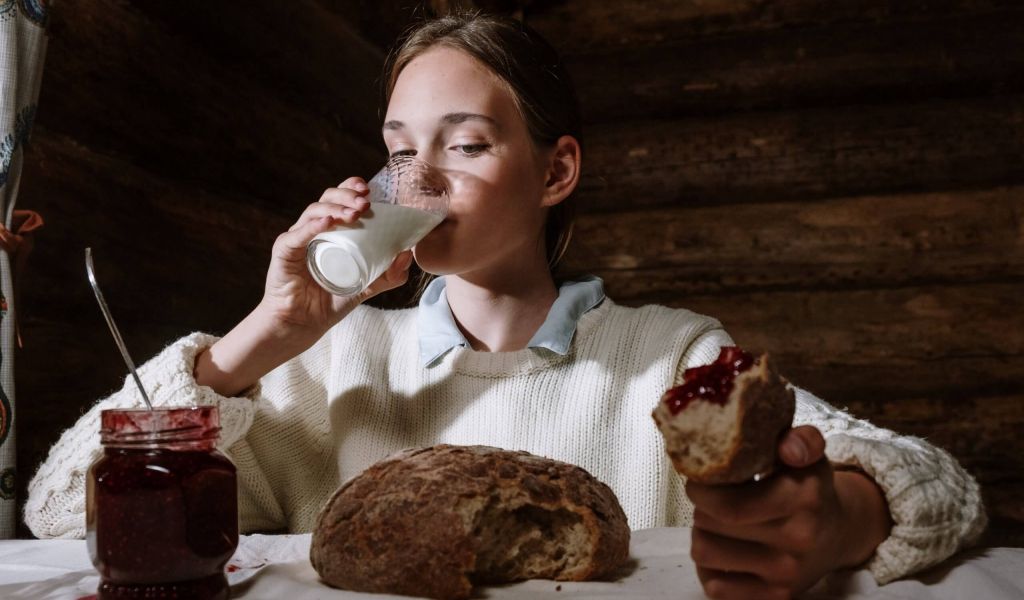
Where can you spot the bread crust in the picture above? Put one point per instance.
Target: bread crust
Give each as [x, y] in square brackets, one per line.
[765, 408]
[410, 524]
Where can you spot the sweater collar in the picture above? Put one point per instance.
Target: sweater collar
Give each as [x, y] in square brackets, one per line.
[438, 332]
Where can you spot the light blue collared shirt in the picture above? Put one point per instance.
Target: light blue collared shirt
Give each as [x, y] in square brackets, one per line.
[439, 332]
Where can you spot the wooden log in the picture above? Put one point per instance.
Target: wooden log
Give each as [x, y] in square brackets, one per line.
[842, 64]
[65, 368]
[927, 146]
[1002, 531]
[163, 250]
[579, 24]
[382, 23]
[943, 341]
[982, 433]
[131, 87]
[860, 242]
[978, 429]
[305, 55]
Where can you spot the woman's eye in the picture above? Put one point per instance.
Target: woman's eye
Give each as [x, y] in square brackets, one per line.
[408, 152]
[471, 149]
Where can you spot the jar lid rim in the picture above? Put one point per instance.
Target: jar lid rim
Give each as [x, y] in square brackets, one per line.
[135, 426]
[159, 409]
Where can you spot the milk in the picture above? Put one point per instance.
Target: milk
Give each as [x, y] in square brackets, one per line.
[350, 257]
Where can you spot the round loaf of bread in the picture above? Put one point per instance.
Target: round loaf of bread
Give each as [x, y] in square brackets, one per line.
[435, 521]
[722, 425]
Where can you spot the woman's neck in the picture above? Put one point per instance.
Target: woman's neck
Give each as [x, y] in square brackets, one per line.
[501, 314]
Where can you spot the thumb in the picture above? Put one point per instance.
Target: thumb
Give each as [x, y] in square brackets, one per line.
[396, 275]
[802, 446]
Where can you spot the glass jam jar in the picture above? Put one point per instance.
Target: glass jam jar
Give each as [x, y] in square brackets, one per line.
[161, 505]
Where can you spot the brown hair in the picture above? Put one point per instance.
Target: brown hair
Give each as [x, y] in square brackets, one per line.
[534, 74]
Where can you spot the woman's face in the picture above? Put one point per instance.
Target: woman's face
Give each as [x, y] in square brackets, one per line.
[451, 111]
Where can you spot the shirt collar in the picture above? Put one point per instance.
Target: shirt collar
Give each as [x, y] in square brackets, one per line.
[438, 332]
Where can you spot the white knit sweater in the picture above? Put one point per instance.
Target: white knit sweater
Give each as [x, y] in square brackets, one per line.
[360, 393]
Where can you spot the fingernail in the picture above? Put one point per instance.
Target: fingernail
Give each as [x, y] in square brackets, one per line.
[798, 450]
[348, 212]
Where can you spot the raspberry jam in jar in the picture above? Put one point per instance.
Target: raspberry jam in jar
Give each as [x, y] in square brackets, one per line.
[161, 505]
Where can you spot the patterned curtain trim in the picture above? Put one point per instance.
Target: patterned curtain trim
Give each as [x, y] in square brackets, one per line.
[19, 137]
[22, 51]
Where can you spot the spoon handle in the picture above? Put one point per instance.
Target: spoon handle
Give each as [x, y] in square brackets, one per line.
[113, 327]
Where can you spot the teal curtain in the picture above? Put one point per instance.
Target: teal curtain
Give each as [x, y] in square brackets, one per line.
[22, 49]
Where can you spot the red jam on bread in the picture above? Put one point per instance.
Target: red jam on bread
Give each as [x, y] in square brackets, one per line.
[722, 424]
[710, 382]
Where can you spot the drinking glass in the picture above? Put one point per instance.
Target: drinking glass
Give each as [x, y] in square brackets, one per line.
[408, 198]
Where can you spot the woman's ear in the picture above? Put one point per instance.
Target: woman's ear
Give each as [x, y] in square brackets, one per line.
[563, 171]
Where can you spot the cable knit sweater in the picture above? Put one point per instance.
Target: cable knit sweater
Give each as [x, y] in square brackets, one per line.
[360, 393]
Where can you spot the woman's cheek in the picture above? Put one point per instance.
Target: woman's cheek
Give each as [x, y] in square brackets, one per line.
[452, 247]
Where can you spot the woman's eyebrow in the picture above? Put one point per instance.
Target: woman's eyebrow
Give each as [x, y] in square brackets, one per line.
[448, 119]
[462, 117]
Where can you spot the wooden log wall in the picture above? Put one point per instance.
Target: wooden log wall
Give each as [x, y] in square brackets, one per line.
[842, 184]
[839, 183]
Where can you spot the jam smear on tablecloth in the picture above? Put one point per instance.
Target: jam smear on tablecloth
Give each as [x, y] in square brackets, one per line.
[162, 515]
[710, 382]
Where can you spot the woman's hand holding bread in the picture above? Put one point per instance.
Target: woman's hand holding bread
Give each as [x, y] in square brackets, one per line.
[777, 537]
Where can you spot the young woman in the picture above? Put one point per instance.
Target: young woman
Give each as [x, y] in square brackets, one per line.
[314, 388]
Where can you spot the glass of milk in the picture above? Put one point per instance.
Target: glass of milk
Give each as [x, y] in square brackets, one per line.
[408, 198]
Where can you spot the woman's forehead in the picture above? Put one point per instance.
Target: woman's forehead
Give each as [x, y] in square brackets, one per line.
[444, 81]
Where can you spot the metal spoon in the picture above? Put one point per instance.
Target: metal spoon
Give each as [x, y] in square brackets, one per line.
[113, 328]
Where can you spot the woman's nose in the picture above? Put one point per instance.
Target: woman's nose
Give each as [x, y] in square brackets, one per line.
[430, 157]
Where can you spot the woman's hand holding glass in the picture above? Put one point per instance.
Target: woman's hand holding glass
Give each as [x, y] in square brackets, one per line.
[295, 311]
[292, 298]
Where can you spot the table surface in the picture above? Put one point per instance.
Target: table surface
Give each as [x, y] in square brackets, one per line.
[277, 566]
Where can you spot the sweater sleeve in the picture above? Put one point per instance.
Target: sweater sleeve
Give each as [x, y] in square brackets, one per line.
[55, 507]
[935, 505]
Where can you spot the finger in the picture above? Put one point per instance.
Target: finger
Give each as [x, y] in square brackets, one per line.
[320, 210]
[396, 275]
[763, 533]
[355, 183]
[294, 240]
[345, 197]
[747, 503]
[722, 553]
[722, 585]
[794, 536]
[802, 446]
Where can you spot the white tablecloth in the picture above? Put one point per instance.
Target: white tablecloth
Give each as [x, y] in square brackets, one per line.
[278, 567]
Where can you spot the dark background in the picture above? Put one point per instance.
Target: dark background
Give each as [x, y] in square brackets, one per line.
[842, 184]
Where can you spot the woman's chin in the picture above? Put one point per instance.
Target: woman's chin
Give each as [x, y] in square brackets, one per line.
[433, 262]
